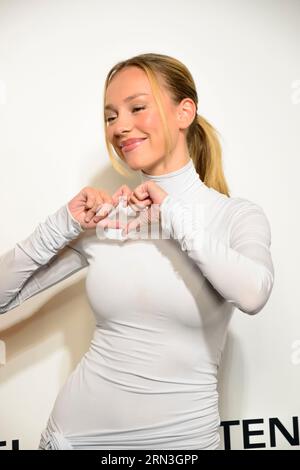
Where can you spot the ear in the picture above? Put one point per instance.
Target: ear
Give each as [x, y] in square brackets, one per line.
[186, 112]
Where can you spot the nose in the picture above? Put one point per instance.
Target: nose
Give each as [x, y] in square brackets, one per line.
[121, 130]
[122, 125]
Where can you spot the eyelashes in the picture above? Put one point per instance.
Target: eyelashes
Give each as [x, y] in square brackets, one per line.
[136, 108]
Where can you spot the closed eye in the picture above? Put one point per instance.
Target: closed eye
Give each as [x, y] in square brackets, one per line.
[136, 108]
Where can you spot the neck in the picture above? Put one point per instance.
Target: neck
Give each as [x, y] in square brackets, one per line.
[175, 182]
[168, 165]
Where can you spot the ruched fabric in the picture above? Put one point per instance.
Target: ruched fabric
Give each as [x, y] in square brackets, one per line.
[53, 439]
[162, 306]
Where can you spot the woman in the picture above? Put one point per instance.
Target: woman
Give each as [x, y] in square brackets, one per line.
[162, 302]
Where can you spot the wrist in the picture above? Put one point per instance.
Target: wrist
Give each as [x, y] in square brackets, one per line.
[74, 221]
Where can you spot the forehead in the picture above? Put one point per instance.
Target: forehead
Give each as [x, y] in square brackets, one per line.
[127, 82]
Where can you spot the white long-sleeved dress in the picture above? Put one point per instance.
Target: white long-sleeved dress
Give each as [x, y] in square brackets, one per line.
[162, 306]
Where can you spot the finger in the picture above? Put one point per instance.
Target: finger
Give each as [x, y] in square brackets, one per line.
[90, 198]
[147, 202]
[134, 206]
[126, 192]
[122, 194]
[138, 205]
[102, 211]
[91, 212]
[104, 208]
[140, 193]
[106, 198]
[117, 197]
[143, 187]
[141, 206]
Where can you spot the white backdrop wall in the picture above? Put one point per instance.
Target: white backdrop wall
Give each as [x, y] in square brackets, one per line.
[244, 57]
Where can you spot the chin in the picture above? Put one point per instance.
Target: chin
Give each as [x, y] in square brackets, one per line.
[138, 162]
[134, 165]
[134, 162]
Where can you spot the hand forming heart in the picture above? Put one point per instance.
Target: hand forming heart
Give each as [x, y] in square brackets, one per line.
[145, 199]
[92, 206]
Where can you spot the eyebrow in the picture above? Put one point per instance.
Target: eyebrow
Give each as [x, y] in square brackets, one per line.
[110, 106]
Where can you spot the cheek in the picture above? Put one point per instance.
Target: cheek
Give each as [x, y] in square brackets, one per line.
[109, 133]
[151, 124]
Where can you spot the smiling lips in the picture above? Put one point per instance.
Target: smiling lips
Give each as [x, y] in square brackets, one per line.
[132, 144]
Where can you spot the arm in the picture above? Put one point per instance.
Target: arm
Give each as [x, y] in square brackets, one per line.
[43, 259]
[242, 270]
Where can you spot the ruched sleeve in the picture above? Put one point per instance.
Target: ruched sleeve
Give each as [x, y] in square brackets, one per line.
[240, 268]
[43, 259]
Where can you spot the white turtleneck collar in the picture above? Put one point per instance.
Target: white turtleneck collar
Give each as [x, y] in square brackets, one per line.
[176, 182]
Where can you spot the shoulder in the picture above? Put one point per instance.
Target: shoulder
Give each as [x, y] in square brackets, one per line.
[243, 207]
[230, 206]
[236, 206]
[239, 211]
[249, 221]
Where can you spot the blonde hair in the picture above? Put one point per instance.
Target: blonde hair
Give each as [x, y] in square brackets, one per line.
[202, 139]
